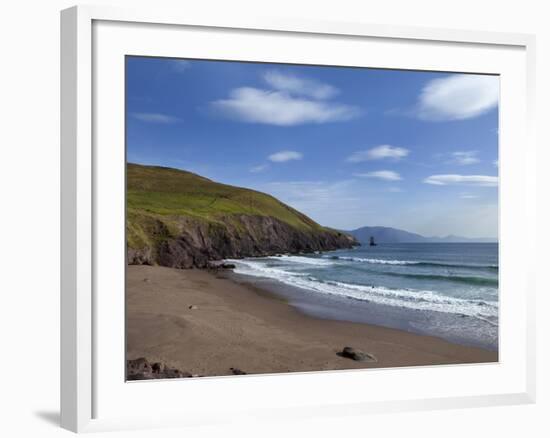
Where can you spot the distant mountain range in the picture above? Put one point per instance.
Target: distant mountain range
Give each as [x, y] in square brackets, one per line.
[394, 235]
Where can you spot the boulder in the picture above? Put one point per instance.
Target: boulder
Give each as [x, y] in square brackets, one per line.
[357, 355]
[220, 265]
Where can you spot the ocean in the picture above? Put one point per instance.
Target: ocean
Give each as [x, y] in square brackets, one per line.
[449, 290]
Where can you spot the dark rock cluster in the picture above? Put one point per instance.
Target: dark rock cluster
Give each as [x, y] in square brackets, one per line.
[142, 369]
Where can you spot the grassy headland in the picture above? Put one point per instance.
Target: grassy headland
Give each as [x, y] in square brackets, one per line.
[179, 219]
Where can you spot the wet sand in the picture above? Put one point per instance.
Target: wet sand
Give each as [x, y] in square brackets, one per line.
[206, 324]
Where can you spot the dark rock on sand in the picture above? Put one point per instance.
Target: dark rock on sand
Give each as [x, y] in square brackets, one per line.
[237, 371]
[216, 265]
[141, 369]
[171, 373]
[138, 366]
[359, 356]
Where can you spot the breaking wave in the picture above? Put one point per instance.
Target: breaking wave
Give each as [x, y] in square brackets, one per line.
[407, 298]
[408, 262]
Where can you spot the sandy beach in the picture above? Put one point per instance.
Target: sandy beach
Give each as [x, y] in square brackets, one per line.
[207, 325]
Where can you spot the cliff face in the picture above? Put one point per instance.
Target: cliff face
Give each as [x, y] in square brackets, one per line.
[197, 243]
[181, 220]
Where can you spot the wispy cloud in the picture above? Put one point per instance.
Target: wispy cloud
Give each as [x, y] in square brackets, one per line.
[465, 158]
[180, 65]
[468, 196]
[259, 168]
[317, 199]
[279, 108]
[299, 85]
[378, 153]
[282, 156]
[305, 190]
[472, 180]
[155, 118]
[386, 175]
[458, 97]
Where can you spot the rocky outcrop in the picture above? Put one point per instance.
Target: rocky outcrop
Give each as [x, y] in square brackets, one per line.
[195, 243]
[142, 369]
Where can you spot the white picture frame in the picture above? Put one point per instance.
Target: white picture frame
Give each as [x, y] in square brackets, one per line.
[92, 394]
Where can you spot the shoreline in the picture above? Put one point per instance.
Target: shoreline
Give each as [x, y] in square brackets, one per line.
[340, 308]
[208, 324]
[457, 320]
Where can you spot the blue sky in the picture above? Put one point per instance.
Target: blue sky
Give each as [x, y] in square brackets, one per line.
[347, 146]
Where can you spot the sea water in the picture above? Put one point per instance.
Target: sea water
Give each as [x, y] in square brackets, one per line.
[448, 290]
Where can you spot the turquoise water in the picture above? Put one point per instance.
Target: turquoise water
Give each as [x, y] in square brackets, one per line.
[443, 289]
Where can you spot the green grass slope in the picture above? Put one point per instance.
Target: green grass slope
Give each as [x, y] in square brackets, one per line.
[162, 194]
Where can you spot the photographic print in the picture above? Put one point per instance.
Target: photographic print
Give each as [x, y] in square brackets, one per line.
[294, 218]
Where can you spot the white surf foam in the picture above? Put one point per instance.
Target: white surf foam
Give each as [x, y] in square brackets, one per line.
[315, 261]
[377, 261]
[407, 298]
[408, 262]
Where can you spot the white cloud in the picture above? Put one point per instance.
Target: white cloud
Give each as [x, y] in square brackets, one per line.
[155, 118]
[299, 86]
[259, 168]
[282, 156]
[180, 65]
[472, 180]
[254, 105]
[465, 158]
[378, 153]
[386, 175]
[458, 97]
